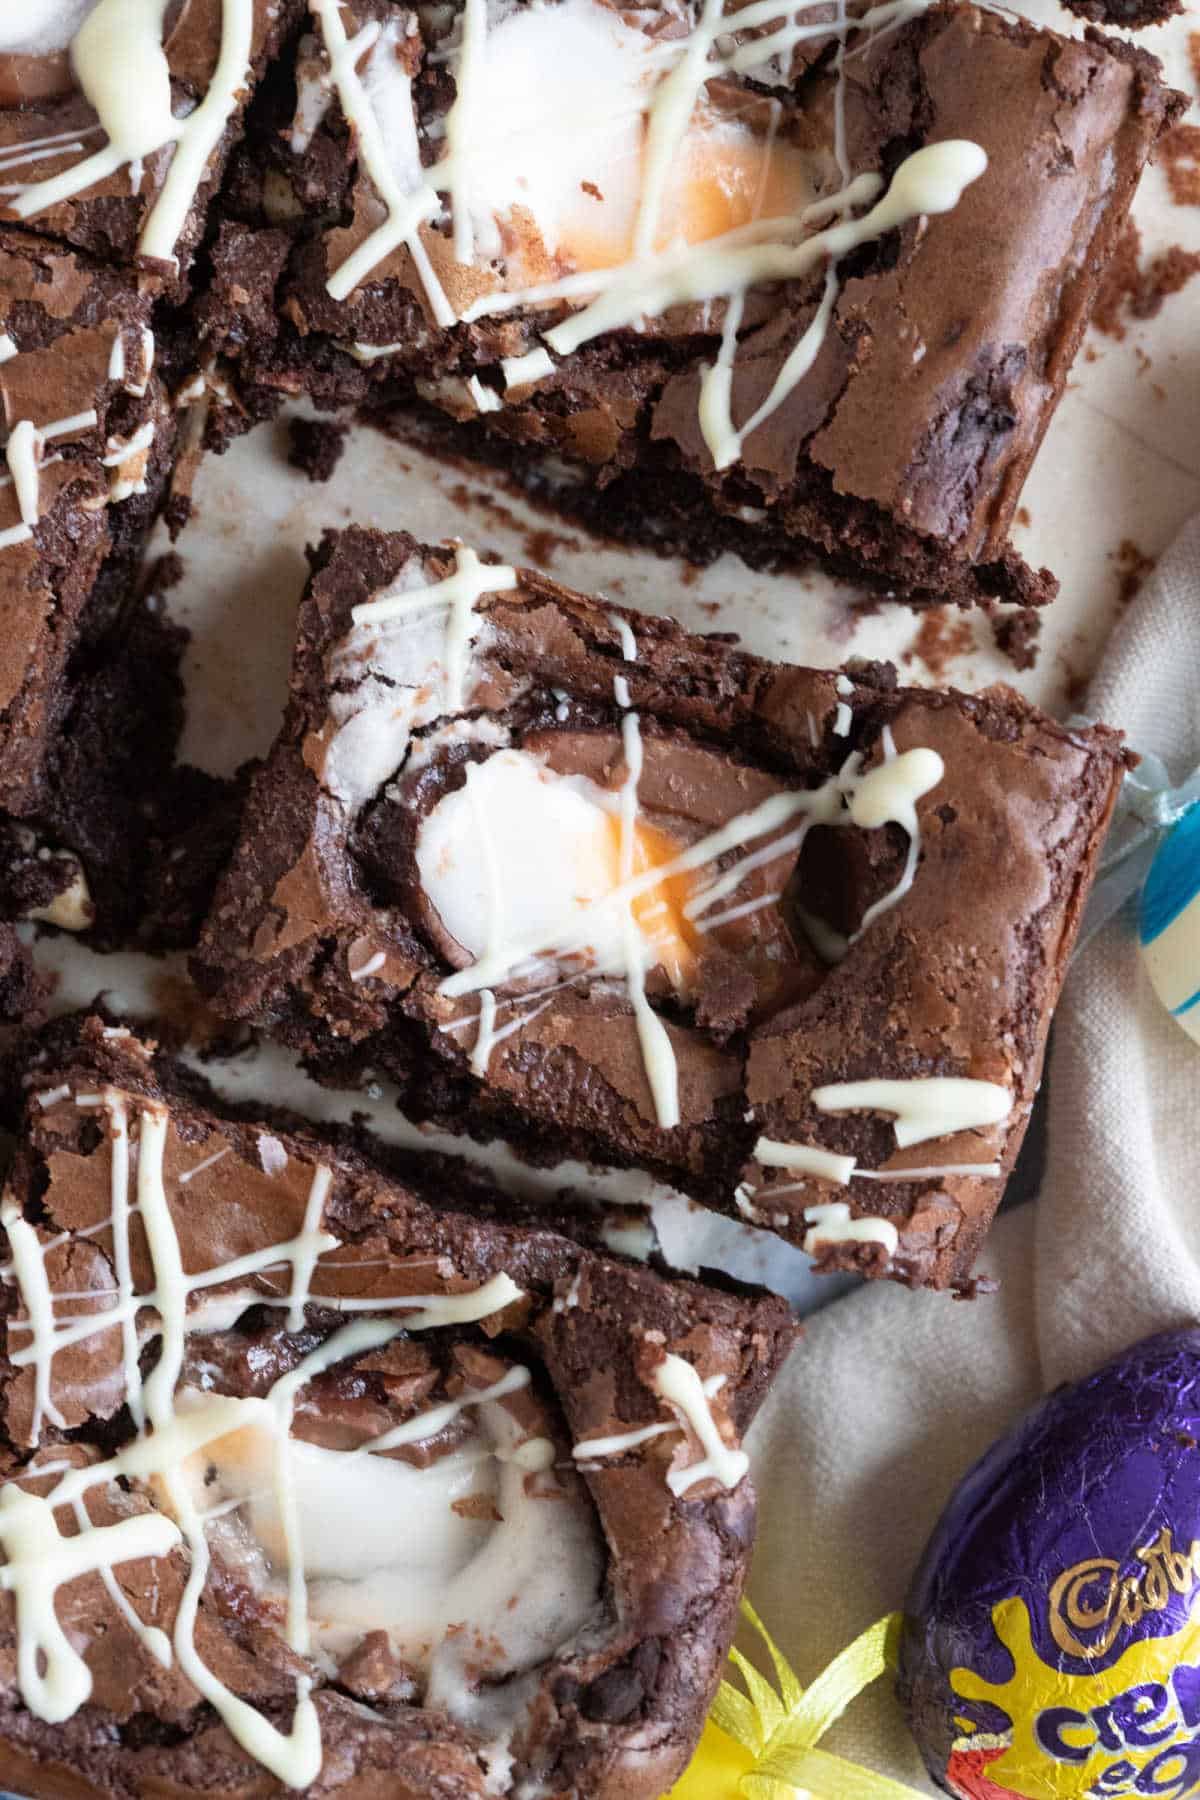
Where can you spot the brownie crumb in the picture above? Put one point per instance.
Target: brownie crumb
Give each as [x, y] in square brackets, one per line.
[163, 574]
[975, 1287]
[1016, 634]
[1125, 15]
[1024, 516]
[176, 514]
[1179, 159]
[1129, 290]
[540, 543]
[941, 636]
[316, 446]
[1133, 567]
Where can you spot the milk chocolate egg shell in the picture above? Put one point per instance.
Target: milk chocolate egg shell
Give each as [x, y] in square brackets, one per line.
[1051, 1646]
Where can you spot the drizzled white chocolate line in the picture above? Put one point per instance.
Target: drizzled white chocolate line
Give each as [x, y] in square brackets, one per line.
[653, 280]
[832, 1224]
[658, 1057]
[122, 68]
[53, 1677]
[676, 1381]
[923, 1107]
[25, 455]
[459, 593]
[408, 207]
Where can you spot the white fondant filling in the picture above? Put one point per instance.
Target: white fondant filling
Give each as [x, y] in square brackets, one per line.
[478, 1557]
[560, 857]
[41, 27]
[406, 660]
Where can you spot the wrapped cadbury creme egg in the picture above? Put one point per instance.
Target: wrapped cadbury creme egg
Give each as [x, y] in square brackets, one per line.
[1051, 1642]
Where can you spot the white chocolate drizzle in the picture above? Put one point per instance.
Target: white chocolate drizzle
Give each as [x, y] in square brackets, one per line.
[676, 1381]
[658, 1057]
[804, 1159]
[24, 454]
[53, 1677]
[679, 1385]
[29, 1268]
[122, 68]
[407, 197]
[924, 1106]
[832, 1224]
[459, 593]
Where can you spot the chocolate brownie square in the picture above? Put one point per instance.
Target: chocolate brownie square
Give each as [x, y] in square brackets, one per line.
[315, 1480]
[787, 938]
[708, 278]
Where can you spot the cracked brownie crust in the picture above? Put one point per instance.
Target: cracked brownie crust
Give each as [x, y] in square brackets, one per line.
[903, 913]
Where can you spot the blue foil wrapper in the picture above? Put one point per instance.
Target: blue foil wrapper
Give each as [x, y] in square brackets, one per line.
[1051, 1646]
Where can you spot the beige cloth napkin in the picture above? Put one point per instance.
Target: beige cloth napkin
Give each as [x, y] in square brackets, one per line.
[891, 1396]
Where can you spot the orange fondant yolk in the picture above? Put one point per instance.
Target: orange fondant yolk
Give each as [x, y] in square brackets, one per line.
[659, 911]
[726, 177]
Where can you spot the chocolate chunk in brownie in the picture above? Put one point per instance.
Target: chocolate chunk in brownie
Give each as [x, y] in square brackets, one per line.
[787, 938]
[314, 1480]
[767, 298]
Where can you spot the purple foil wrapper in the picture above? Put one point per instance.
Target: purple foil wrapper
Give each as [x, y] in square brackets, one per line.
[1052, 1635]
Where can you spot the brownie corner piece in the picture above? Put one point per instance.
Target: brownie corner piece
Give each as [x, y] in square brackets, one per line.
[788, 939]
[142, 200]
[557, 1431]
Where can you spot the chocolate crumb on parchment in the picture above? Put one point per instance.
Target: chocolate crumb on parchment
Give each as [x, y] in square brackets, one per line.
[1179, 159]
[941, 636]
[1130, 289]
[1016, 634]
[316, 445]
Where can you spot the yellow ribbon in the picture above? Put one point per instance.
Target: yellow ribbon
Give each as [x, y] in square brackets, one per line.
[762, 1744]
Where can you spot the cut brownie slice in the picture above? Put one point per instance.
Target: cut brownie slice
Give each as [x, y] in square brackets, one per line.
[88, 440]
[315, 1480]
[710, 278]
[573, 876]
[116, 122]
[90, 704]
